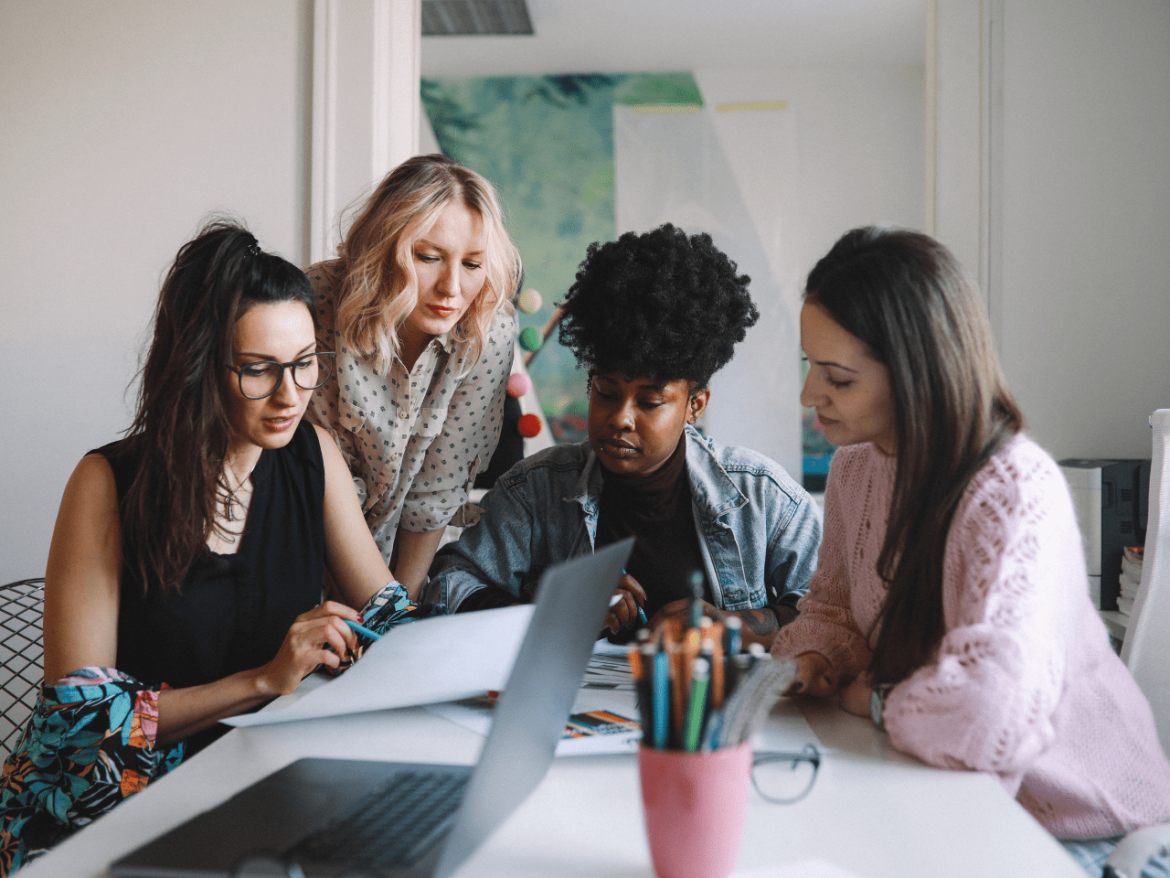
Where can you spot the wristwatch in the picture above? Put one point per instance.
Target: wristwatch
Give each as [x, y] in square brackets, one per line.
[877, 703]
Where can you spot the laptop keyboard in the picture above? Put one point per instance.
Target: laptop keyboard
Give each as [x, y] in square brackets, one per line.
[392, 825]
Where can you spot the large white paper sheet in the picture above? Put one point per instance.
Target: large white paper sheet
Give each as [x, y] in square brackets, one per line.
[444, 658]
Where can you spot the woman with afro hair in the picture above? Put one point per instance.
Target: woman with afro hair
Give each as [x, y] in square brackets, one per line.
[651, 317]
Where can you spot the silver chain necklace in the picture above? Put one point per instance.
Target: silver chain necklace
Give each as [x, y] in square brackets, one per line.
[229, 502]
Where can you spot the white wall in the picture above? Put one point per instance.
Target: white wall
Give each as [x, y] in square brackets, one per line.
[122, 124]
[1060, 183]
[1085, 321]
[852, 153]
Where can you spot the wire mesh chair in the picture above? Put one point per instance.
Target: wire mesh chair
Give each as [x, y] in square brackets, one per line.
[21, 657]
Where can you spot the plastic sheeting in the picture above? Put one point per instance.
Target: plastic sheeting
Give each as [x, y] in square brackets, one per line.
[727, 174]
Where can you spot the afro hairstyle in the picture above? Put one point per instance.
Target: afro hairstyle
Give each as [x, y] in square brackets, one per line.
[661, 304]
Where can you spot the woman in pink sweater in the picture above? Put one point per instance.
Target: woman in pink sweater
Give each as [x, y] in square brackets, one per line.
[950, 603]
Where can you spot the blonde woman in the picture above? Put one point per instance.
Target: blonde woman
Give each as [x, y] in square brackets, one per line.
[417, 308]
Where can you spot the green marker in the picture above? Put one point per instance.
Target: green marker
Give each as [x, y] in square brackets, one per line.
[700, 676]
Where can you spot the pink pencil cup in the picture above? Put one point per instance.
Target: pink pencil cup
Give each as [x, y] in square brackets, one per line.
[694, 805]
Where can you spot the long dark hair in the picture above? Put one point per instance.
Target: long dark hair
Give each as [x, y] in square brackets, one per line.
[182, 426]
[907, 298]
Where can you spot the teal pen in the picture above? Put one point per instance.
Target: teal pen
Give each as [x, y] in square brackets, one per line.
[733, 634]
[661, 698]
[711, 730]
[697, 598]
[642, 620]
[363, 631]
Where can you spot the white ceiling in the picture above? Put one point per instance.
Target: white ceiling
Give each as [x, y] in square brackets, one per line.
[614, 36]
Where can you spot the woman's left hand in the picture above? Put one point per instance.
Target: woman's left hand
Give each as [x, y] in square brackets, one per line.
[855, 697]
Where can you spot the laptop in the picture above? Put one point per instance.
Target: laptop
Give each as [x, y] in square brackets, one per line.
[285, 815]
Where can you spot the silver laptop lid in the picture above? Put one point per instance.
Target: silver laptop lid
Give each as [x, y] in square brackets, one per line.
[572, 602]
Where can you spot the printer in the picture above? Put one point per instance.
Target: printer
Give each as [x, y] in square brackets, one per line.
[1112, 504]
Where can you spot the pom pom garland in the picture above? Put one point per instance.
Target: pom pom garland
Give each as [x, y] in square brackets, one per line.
[528, 425]
[530, 301]
[519, 384]
[530, 339]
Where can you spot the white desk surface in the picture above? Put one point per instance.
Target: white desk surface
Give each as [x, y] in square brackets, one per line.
[872, 813]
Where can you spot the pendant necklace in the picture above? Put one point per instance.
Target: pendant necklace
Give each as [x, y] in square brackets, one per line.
[229, 501]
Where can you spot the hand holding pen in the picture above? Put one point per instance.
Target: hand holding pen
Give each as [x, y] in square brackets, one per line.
[626, 611]
[316, 638]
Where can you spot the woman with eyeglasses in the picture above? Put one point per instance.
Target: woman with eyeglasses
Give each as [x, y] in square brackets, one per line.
[185, 574]
[417, 307]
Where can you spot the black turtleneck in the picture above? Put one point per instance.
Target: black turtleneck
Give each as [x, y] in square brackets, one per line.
[655, 508]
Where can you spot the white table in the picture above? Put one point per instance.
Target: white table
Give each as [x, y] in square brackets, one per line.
[873, 812]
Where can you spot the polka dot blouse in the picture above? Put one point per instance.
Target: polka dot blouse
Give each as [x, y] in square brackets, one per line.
[414, 442]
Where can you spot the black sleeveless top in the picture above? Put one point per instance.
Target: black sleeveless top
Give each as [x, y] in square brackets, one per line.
[232, 611]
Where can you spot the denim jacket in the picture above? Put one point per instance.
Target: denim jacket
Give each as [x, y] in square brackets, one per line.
[759, 531]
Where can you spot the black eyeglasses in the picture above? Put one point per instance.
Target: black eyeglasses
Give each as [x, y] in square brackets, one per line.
[262, 379]
[785, 778]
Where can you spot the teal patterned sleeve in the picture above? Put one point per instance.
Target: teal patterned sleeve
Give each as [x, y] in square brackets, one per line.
[391, 606]
[89, 744]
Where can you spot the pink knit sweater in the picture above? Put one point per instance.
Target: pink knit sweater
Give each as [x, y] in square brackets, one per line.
[1025, 684]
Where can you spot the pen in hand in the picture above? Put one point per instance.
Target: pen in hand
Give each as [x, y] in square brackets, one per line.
[363, 631]
[642, 620]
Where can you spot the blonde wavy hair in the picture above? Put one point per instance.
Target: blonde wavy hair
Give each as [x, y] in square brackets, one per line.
[379, 287]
